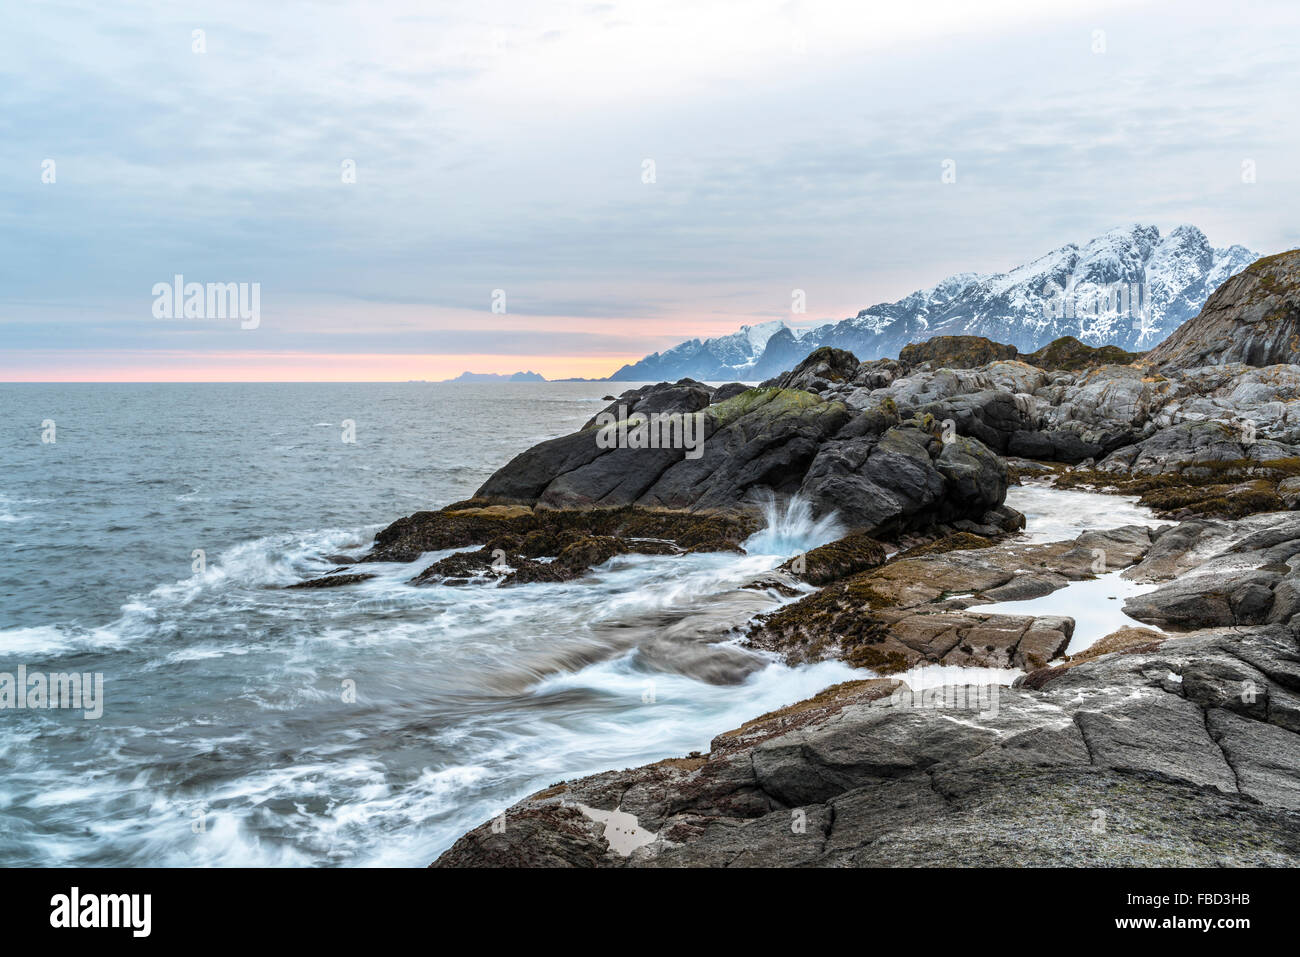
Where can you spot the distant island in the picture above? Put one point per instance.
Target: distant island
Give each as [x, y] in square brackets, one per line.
[497, 377]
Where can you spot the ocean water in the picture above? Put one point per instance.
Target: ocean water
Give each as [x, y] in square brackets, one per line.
[370, 725]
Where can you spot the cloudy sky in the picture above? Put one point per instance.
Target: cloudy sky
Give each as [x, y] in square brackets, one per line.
[629, 174]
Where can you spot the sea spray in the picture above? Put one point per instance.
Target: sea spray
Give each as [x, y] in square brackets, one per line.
[790, 528]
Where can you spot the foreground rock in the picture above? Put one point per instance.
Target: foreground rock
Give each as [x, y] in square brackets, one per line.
[1150, 748]
[1154, 757]
[1223, 573]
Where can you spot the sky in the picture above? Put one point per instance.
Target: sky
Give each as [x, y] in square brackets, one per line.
[419, 189]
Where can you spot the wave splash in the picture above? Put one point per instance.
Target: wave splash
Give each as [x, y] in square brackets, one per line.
[792, 529]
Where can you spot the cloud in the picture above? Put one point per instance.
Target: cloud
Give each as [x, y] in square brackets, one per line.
[502, 146]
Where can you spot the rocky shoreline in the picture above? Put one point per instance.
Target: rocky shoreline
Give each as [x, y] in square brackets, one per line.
[1175, 740]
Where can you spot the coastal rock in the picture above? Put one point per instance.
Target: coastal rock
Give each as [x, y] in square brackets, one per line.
[821, 368]
[1109, 763]
[573, 560]
[1239, 573]
[881, 475]
[922, 607]
[1288, 490]
[1069, 353]
[955, 352]
[729, 391]
[536, 533]
[1194, 450]
[758, 441]
[903, 479]
[992, 416]
[332, 581]
[839, 559]
[684, 396]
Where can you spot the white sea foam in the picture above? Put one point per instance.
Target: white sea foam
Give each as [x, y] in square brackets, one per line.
[46, 641]
[1057, 515]
[790, 528]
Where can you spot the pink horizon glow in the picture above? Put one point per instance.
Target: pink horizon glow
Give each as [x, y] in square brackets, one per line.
[295, 367]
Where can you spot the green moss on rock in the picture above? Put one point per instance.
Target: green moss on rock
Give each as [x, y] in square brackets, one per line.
[847, 556]
[959, 541]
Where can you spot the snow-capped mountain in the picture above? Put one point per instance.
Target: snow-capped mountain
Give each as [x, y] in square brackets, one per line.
[703, 359]
[1129, 287]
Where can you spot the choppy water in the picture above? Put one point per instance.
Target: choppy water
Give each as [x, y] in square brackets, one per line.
[225, 737]
[228, 733]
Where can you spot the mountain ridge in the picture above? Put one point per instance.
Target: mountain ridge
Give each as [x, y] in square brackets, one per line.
[1131, 287]
[529, 376]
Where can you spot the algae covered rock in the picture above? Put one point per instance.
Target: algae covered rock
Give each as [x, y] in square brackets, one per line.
[1069, 353]
[956, 352]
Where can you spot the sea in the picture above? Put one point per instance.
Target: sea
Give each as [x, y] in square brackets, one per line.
[147, 533]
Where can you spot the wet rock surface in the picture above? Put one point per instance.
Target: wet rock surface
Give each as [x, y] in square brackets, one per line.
[923, 606]
[1149, 748]
[332, 581]
[546, 532]
[1149, 756]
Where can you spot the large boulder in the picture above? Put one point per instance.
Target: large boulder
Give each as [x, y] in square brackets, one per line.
[905, 479]
[955, 352]
[992, 416]
[823, 368]
[1070, 354]
[757, 444]
[880, 475]
[685, 395]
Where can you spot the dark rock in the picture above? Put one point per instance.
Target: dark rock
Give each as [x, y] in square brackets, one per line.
[839, 559]
[331, 581]
[991, 416]
[1056, 445]
[729, 391]
[825, 365]
[533, 534]
[577, 559]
